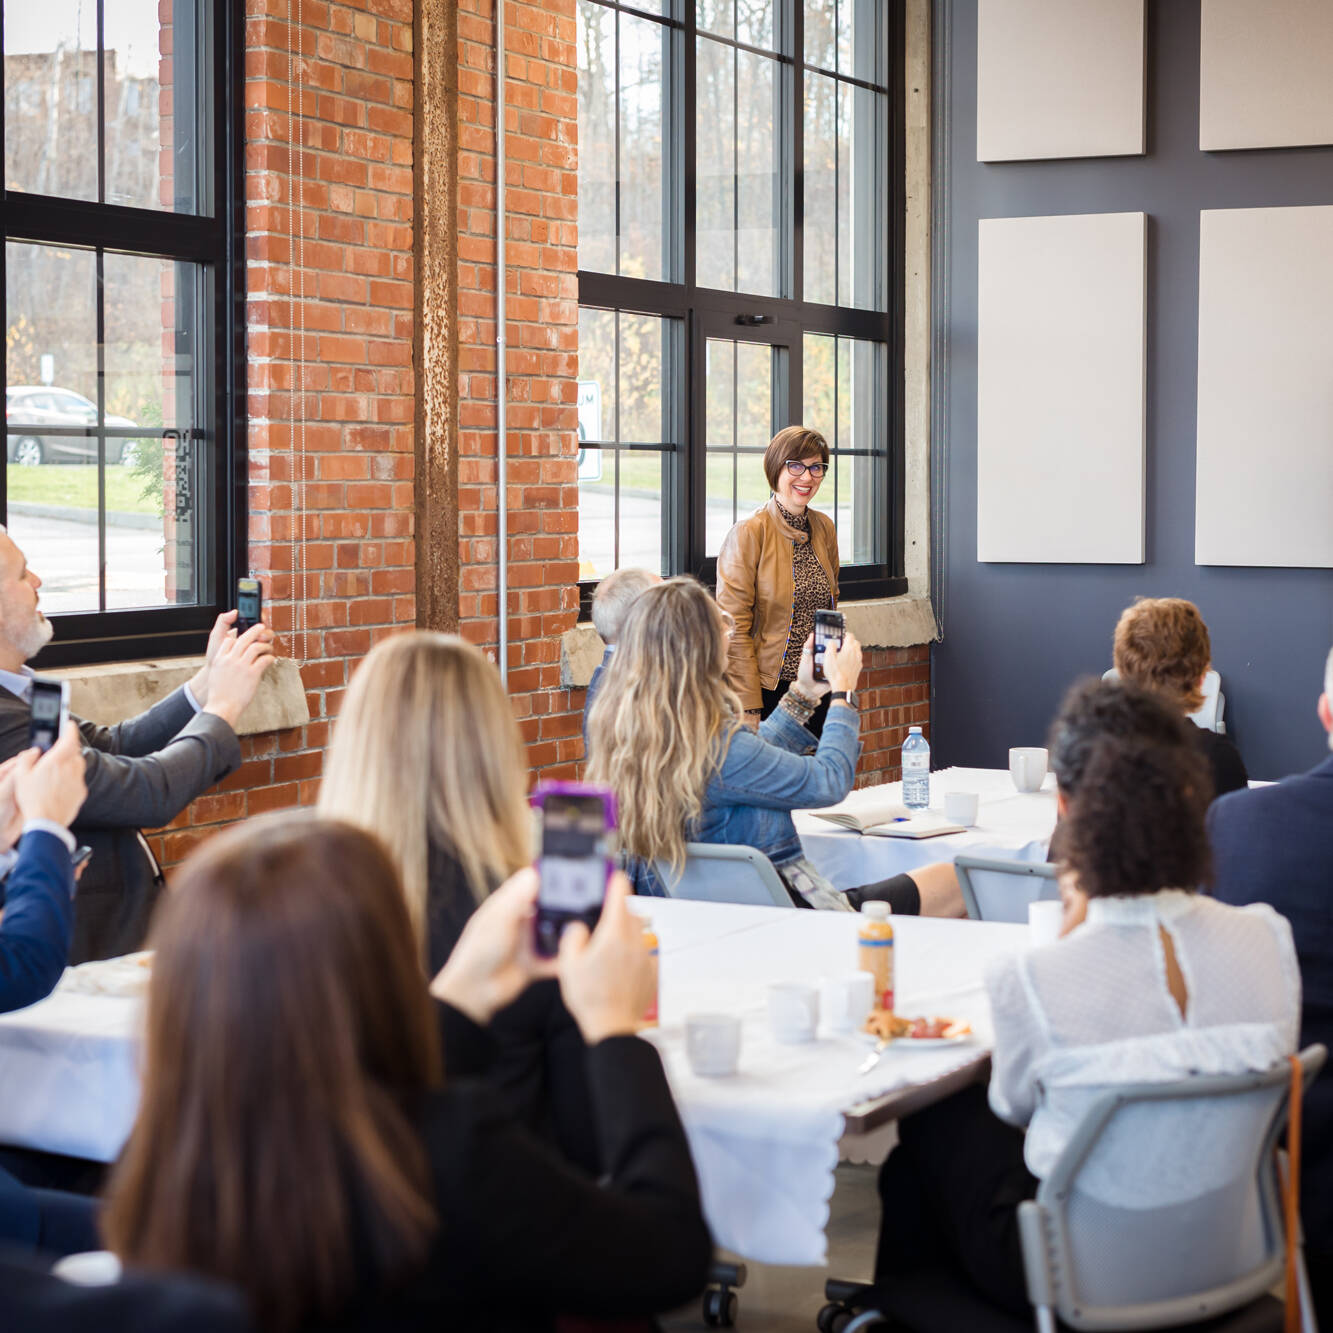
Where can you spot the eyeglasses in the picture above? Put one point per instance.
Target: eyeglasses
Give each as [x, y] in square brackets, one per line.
[799, 469]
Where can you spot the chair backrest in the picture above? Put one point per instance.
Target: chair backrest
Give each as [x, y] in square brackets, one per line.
[1148, 1220]
[1000, 890]
[1209, 714]
[720, 873]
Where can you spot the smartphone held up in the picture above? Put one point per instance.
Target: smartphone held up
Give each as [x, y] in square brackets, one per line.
[574, 864]
[829, 628]
[50, 709]
[249, 604]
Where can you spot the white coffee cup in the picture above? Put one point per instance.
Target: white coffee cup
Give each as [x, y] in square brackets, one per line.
[960, 807]
[793, 1009]
[1044, 918]
[845, 1001]
[1027, 767]
[713, 1044]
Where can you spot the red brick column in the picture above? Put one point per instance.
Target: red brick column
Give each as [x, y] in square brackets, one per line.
[330, 534]
[541, 127]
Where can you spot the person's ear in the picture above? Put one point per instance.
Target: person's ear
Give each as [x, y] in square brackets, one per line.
[1325, 711]
[1061, 803]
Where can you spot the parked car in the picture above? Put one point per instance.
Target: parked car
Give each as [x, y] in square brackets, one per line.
[29, 407]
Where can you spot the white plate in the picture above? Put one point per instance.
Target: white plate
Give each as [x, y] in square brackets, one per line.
[918, 1043]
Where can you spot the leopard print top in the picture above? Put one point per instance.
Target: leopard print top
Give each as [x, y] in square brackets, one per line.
[810, 593]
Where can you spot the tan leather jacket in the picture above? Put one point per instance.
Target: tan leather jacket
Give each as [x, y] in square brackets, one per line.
[754, 583]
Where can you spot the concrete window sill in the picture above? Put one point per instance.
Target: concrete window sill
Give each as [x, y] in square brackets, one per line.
[879, 622]
[119, 690]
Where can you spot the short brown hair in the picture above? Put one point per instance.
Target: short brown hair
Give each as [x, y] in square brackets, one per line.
[1162, 644]
[792, 442]
[288, 1035]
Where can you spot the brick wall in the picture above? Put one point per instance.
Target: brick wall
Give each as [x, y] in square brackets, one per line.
[894, 694]
[343, 576]
[339, 445]
[541, 129]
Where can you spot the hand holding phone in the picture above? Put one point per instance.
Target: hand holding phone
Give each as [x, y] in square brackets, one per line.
[573, 868]
[829, 628]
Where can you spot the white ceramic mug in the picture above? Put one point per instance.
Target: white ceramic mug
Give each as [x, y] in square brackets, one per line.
[1044, 918]
[793, 1009]
[845, 1001]
[1027, 767]
[713, 1044]
[960, 807]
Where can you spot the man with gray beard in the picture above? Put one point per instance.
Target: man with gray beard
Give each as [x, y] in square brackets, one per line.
[140, 773]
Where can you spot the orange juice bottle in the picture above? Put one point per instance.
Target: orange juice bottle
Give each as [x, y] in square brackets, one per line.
[649, 1019]
[876, 951]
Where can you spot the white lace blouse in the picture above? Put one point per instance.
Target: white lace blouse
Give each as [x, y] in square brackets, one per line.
[1093, 1010]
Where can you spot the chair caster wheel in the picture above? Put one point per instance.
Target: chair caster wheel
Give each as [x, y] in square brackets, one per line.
[720, 1308]
[833, 1318]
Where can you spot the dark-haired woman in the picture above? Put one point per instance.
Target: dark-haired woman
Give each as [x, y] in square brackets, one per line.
[294, 1138]
[1142, 986]
[774, 571]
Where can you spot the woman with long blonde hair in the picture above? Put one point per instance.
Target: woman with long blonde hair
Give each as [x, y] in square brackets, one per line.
[427, 756]
[667, 735]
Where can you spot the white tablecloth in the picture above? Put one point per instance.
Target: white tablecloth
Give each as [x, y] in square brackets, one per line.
[765, 1142]
[1008, 824]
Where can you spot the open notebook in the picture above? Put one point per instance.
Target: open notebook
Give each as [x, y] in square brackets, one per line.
[887, 819]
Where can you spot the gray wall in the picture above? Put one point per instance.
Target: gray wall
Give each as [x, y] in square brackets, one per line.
[1014, 636]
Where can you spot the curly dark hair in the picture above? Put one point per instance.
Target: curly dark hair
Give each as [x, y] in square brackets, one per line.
[1094, 709]
[1136, 823]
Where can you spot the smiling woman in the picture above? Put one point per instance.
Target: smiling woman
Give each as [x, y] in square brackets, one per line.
[775, 570]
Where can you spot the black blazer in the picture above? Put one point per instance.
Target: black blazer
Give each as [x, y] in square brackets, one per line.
[32, 1301]
[1224, 761]
[524, 1237]
[1275, 845]
[537, 1055]
[141, 774]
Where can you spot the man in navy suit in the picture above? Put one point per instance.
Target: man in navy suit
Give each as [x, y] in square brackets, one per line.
[1275, 845]
[615, 594]
[39, 798]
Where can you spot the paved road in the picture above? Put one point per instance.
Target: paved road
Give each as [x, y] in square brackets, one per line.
[64, 554]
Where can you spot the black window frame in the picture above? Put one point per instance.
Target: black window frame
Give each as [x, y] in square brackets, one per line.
[702, 310]
[216, 241]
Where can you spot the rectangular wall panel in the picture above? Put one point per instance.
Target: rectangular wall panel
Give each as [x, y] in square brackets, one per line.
[1265, 73]
[1264, 460]
[1059, 78]
[1060, 389]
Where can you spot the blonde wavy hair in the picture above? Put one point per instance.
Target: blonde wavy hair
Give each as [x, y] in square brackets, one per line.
[426, 752]
[663, 717]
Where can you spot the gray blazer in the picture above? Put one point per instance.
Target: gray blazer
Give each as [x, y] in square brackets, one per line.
[141, 774]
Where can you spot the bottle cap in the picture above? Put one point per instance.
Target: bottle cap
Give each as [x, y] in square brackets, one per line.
[875, 910]
[914, 731]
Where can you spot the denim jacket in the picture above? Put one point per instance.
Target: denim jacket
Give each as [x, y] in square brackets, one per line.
[763, 778]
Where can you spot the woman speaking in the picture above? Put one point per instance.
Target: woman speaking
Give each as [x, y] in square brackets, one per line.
[775, 570]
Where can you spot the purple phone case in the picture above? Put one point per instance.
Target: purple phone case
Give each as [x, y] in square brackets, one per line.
[539, 797]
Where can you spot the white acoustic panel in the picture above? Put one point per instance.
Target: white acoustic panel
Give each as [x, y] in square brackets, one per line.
[1059, 78]
[1265, 73]
[1060, 389]
[1264, 462]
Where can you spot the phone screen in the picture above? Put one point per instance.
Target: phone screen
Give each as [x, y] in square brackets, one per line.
[573, 865]
[48, 700]
[249, 603]
[828, 629]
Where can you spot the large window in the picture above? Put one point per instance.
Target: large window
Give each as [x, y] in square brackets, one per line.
[119, 281]
[738, 207]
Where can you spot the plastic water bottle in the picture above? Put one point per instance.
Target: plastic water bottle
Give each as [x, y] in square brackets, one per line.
[916, 770]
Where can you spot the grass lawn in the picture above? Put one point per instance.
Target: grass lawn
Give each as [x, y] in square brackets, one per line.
[74, 485]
